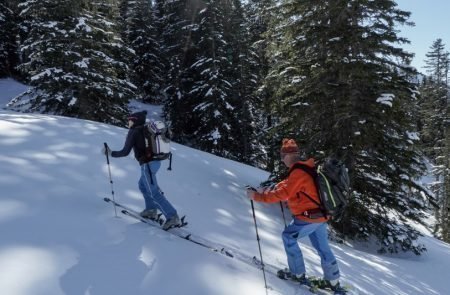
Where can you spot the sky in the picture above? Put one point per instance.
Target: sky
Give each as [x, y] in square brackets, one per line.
[432, 21]
[58, 236]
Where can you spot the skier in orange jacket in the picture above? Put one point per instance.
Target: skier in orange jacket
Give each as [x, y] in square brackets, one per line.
[308, 218]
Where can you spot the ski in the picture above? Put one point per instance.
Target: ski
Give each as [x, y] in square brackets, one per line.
[274, 271]
[176, 231]
[184, 234]
[152, 222]
[317, 284]
[158, 221]
[286, 275]
[181, 233]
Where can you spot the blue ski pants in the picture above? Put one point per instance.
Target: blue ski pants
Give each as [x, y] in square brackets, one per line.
[153, 196]
[318, 236]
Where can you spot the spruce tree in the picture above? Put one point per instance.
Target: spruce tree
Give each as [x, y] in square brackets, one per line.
[260, 17]
[141, 34]
[211, 79]
[8, 46]
[435, 131]
[446, 176]
[210, 94]
[176, 22]
[342, 88]
[245, 78]
[5, 18]
[437, 62]
[73, 57]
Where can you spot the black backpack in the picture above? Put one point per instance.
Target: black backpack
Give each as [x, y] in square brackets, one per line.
[333, 186]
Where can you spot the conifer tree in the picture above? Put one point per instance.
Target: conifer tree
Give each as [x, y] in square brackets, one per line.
[260, 15]
[73, 57]
[245, 79]
[8, 46]
[176, 22]
[446, 177]
[210, 80]
[437, 62]
[210, 95]
[141, 34]
[342, 88]
[435, 131]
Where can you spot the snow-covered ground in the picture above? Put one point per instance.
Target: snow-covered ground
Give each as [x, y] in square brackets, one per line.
[9, 89]
[58, 236]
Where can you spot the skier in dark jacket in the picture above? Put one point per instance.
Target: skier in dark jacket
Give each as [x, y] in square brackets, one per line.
[148, 184]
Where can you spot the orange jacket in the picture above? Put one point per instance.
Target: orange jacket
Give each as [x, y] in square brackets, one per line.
[290, 190]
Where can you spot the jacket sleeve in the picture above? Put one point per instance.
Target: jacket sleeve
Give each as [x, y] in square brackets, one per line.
[129, 143]
[279, 193]
[285, 189]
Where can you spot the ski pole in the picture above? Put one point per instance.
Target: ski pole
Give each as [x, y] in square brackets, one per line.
[110, 179]
[259, 245]
[282, 212]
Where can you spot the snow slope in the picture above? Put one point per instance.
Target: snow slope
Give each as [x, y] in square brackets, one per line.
[9, 89]
[60, 237]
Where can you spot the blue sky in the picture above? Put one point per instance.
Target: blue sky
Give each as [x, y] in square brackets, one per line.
[432, 22]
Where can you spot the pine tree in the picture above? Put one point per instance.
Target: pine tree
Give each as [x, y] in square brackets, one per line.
[73, 56]
[209, 96]
[8, 46]
[176, 23]
[141, 35]
[245, 80]
[435, 131]
[254, 68]
[446, 176]
[342, 88]
[210, 79]
[5, 16]
[437, 63]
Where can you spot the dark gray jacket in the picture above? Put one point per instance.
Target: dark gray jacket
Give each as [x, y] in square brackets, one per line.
[135, 139]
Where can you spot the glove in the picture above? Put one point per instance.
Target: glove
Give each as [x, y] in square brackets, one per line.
[106, 151]
[251, 192]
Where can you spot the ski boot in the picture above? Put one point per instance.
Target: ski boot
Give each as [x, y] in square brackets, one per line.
[285, 274]
[150, 214]
[173, 221]
[334, 286]
[338, 289]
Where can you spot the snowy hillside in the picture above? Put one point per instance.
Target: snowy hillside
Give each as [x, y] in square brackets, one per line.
[60, 237]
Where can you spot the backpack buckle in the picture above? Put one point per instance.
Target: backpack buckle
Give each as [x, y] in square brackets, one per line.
[313, 213]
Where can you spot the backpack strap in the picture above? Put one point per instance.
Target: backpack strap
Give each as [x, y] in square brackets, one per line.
[313, 173]
[309, 197]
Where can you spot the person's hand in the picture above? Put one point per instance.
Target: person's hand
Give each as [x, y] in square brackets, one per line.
[251, 192]
[106, 151]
